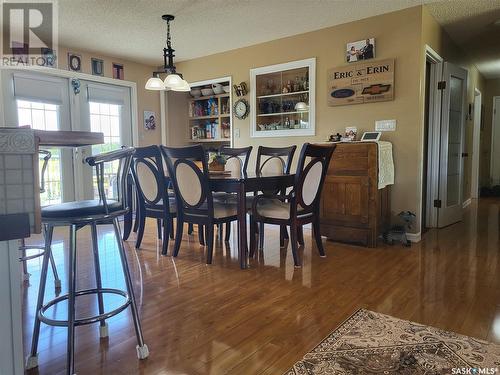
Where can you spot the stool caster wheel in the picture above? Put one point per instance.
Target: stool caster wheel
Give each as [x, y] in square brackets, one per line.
[32, 362]
[142, 351]
[103, 331]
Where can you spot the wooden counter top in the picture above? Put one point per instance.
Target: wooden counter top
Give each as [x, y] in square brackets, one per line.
[62, 138]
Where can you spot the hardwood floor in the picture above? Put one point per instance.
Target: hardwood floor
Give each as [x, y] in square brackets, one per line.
[218, 319]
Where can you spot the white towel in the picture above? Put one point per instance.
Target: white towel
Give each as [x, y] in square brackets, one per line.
[385, 164]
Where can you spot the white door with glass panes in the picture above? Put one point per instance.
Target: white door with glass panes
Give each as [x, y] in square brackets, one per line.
[103, 108]
[42, 102]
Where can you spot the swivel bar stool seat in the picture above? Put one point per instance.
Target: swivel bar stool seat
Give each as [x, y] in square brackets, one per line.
[76, 215]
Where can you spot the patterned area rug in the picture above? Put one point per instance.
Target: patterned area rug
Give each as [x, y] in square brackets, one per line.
[373, 343]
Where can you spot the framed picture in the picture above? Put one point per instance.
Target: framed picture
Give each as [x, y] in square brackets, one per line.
[97, 67]
[49, 57]
[360, 50]
[350, 134]
[118, 71]
[149, 120]
[74, 62]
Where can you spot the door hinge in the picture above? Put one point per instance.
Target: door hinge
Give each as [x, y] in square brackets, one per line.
[441, 85]
[437, 203]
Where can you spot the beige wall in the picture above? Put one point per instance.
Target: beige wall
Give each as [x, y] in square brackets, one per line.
[397, 36]
[492, 89]
[138, 73]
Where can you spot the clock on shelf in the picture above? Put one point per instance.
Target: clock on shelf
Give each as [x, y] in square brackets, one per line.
[241, 109]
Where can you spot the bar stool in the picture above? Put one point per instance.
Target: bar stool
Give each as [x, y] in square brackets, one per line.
[76, 215]
[45, 156]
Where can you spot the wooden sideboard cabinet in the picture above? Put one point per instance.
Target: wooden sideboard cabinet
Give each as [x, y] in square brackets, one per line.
[353, 209]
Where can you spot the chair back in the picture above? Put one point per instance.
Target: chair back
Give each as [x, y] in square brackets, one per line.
[188, 170]
[311, 171]
[271, 160]
[149, 177]
[236, 159]
[119, 162]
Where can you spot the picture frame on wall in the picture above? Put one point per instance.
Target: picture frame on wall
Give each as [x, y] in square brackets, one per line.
[149, 120]
[97, 66]
[118, 72]
[360, 50]
[74, 62]
[49, 57]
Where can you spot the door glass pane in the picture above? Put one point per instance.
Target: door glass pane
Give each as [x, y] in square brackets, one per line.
[43, 116]
[106, 118]
[454, 141]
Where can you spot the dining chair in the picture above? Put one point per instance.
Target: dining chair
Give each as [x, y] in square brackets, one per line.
[45, 156]
[274, 160]
[194, 198]
[77, 215]
[237, 163]
[153, 198]
[301, 205]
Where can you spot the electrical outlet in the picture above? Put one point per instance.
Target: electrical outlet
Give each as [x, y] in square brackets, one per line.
[236, 133]
[385, 125]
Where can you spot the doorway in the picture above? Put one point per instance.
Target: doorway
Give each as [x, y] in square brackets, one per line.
[495, 143]
[476, 139]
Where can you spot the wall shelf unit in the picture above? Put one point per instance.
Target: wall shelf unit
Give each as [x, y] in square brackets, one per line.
[283, 99]
[209, 116]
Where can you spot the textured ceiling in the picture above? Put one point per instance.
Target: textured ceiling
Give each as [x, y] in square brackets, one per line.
[471, 24]
[134, 30]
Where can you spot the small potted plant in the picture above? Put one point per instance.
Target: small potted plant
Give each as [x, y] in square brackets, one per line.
[216, 161]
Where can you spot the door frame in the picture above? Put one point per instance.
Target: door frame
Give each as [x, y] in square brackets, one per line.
[492, 155]
[433, 137]
[476, 144]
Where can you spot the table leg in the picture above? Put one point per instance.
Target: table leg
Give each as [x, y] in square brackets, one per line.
[242, 226]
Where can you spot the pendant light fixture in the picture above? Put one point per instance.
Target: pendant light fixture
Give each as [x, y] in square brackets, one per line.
[173, 81]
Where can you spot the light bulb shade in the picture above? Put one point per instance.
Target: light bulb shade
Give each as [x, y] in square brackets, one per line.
[155, 83]
[184, 86]
[173, 81]
[301, 106]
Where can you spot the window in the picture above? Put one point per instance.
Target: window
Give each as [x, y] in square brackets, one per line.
[105, 118]
[44, 116]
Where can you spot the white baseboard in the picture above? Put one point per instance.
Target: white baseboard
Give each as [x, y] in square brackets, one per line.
[467, 203]
[414, 237]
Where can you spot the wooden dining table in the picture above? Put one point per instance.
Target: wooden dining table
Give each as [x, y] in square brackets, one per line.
[241, 184]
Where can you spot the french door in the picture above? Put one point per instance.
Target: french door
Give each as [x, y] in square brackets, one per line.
[48, 102]
[107, 109]
[451, 163]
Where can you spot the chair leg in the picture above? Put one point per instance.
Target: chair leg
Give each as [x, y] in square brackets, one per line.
[285, 233]
[140, 233]
[282, 235]
[261, 236]
[141, 347]
[219, 231]
[228, 232]
[178, 237]
[253, 242]
[22, 244]
[317, 238]
[70, 360]
[300, 235]
[57, 281]
[201, 236]
[166, 236]
[103, 326]
[158, 228]
[171, 230]
[210, 242]
[190, 228]
[137, 215]
[127, 224]
[32, 360]
[293, 240]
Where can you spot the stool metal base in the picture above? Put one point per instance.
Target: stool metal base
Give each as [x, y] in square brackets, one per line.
[142, 351]
[88, 320]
